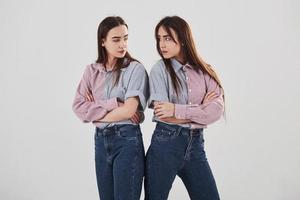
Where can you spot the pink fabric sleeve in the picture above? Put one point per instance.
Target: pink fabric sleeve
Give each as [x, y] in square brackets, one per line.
[206, 113]
[90, 111]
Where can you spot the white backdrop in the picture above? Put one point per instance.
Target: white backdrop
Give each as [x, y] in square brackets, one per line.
[46, 153]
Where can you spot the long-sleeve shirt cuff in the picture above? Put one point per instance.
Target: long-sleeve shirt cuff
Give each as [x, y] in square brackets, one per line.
[182, 111]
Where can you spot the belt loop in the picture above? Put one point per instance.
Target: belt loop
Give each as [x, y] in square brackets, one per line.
[178, 130]
[201, 132]
[192, 132]
[116, 128]
[105, 129]
[97, 131]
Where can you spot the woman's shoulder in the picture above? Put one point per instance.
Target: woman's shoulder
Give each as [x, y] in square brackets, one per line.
[135, 65]
[93, 67]
[158, 67]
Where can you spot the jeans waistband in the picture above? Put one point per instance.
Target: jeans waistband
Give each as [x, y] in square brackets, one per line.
[115, 128]
[178, 128]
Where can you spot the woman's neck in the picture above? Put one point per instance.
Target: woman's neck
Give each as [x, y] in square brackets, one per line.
[109, 65]
[179, 58]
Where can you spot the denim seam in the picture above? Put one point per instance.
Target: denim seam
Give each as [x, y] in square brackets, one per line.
[148, 156]
[186, 155]
[133, 173]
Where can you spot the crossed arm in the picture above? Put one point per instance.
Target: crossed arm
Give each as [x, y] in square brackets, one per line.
[89, 110]
[165, 111]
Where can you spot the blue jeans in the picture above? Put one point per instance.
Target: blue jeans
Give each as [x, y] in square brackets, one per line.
[175, 150]
[119, 160]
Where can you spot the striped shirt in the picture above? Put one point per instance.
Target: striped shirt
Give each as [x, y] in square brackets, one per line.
[189, 104]
[133, 81]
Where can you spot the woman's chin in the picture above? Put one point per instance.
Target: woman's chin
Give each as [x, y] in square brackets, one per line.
[166, 57]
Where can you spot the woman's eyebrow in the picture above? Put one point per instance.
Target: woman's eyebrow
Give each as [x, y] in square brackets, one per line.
[118, 37]
[164, 36]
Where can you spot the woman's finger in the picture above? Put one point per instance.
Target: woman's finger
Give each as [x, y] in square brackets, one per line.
[156, 103]
[208, 95]
[88, 97]
[158, 110]
[91, 97]
[213, 97]
[157, 113]
[135, 118]
[132, 120]
[163, 116]
[138, 117]
[87, 93]
[158, 106]
[160, 113]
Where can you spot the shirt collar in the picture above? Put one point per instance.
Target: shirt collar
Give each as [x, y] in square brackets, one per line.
[177, 65]
[101, 68]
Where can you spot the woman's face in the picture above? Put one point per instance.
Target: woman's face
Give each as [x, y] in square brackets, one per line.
[115, 42]
[168, 47]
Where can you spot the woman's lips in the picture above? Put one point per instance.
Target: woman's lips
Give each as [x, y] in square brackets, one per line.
[121, 52]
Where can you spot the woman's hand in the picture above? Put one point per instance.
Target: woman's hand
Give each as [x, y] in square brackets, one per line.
[164, 109]
[209, 96]
[88, 96]
[137, 117]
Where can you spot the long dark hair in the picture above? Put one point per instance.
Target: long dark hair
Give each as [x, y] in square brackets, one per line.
[190, 55]
[104, 27]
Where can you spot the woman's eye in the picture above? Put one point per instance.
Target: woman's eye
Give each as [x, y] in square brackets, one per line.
[116, 40]
[125, 39]
[168, 39]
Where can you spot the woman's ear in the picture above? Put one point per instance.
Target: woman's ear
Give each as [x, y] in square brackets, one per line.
[102, 42]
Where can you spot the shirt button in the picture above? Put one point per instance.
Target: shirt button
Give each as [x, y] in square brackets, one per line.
[187, 78]
[190, 103]
[190, 90]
